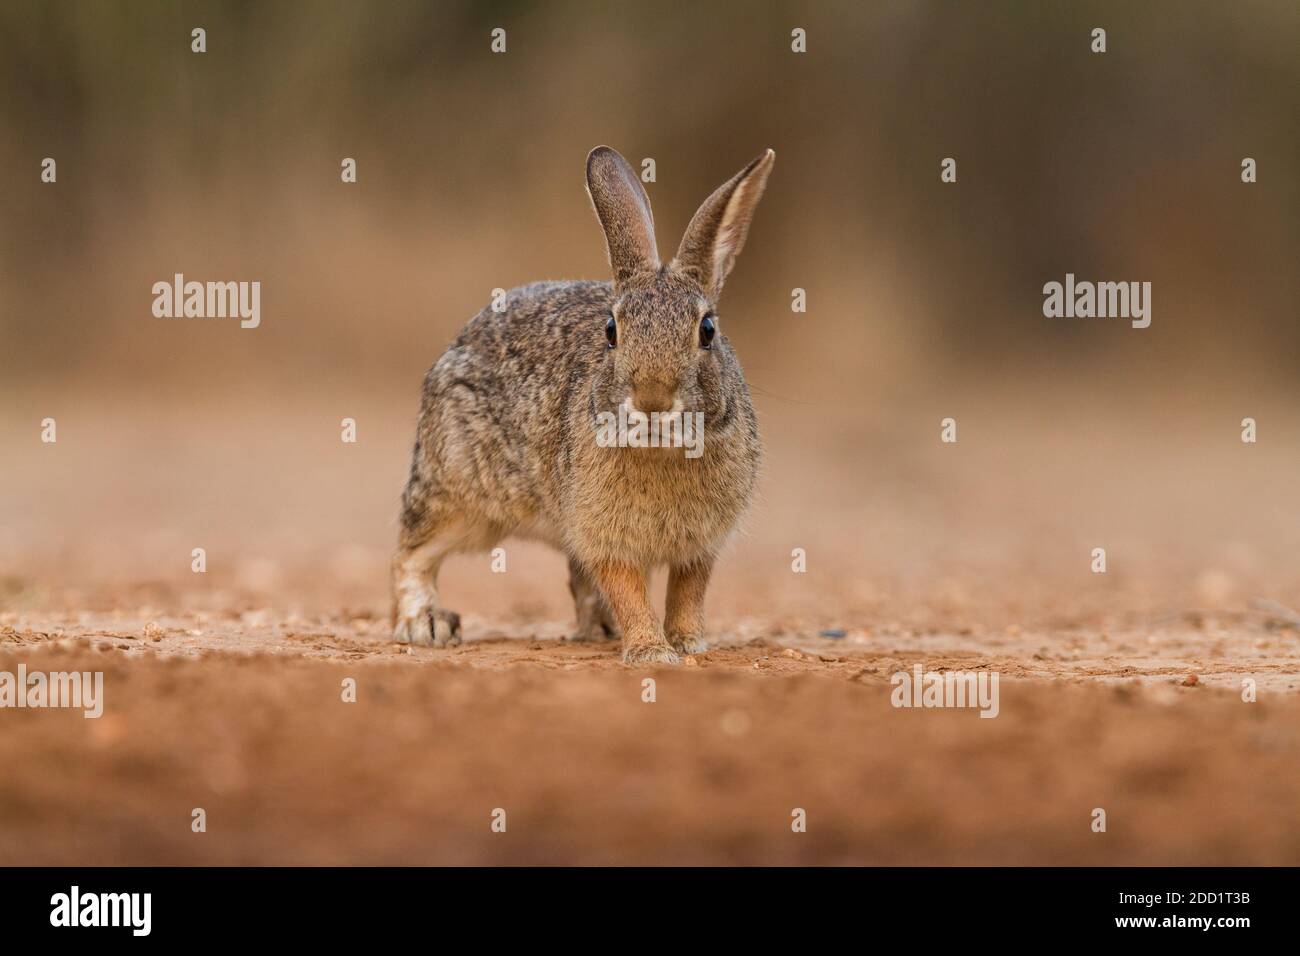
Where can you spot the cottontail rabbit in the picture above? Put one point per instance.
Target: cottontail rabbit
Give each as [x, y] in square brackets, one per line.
[509, 439]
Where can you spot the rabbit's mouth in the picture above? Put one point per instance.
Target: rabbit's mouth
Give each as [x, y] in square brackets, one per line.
[669, 429]
[653, 404]
[624, 398]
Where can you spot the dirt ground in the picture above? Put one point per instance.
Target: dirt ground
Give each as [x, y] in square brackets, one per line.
[246, 720]
[224, 690]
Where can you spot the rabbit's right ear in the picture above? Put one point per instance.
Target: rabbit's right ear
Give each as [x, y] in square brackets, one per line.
[718, 229]
[624, 212]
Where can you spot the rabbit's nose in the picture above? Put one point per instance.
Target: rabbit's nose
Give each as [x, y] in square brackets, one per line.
[653, 398]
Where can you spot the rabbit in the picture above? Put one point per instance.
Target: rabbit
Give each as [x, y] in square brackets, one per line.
[507, 438]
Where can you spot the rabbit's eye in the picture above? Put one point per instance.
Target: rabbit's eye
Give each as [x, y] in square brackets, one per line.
[611, 332]
[708, 329]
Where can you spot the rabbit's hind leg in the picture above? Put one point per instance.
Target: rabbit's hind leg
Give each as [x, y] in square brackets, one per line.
[427, 538]
[417, 619]
[595, 621]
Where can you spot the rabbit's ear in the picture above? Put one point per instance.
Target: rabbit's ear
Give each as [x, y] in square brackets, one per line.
[717, 232]
[624, 212]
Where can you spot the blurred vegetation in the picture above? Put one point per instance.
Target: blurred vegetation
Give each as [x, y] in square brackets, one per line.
[1122, 166]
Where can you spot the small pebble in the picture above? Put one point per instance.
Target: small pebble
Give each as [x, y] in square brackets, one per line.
[1191, 680]
[153, 632]
[834, 633]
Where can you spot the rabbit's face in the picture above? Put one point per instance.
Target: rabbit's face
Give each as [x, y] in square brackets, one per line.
[664, 350]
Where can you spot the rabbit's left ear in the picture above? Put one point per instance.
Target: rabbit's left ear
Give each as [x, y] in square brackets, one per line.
[624, 212]
[717, 232]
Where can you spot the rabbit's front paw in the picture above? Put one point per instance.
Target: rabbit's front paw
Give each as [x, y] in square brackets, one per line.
[688, 643]
[650, 652]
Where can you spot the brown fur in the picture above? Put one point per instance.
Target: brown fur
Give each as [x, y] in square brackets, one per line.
[506, 444]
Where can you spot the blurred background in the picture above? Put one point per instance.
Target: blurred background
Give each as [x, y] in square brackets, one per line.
[924, 299]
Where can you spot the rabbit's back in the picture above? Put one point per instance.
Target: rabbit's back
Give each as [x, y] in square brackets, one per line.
[494, 407]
